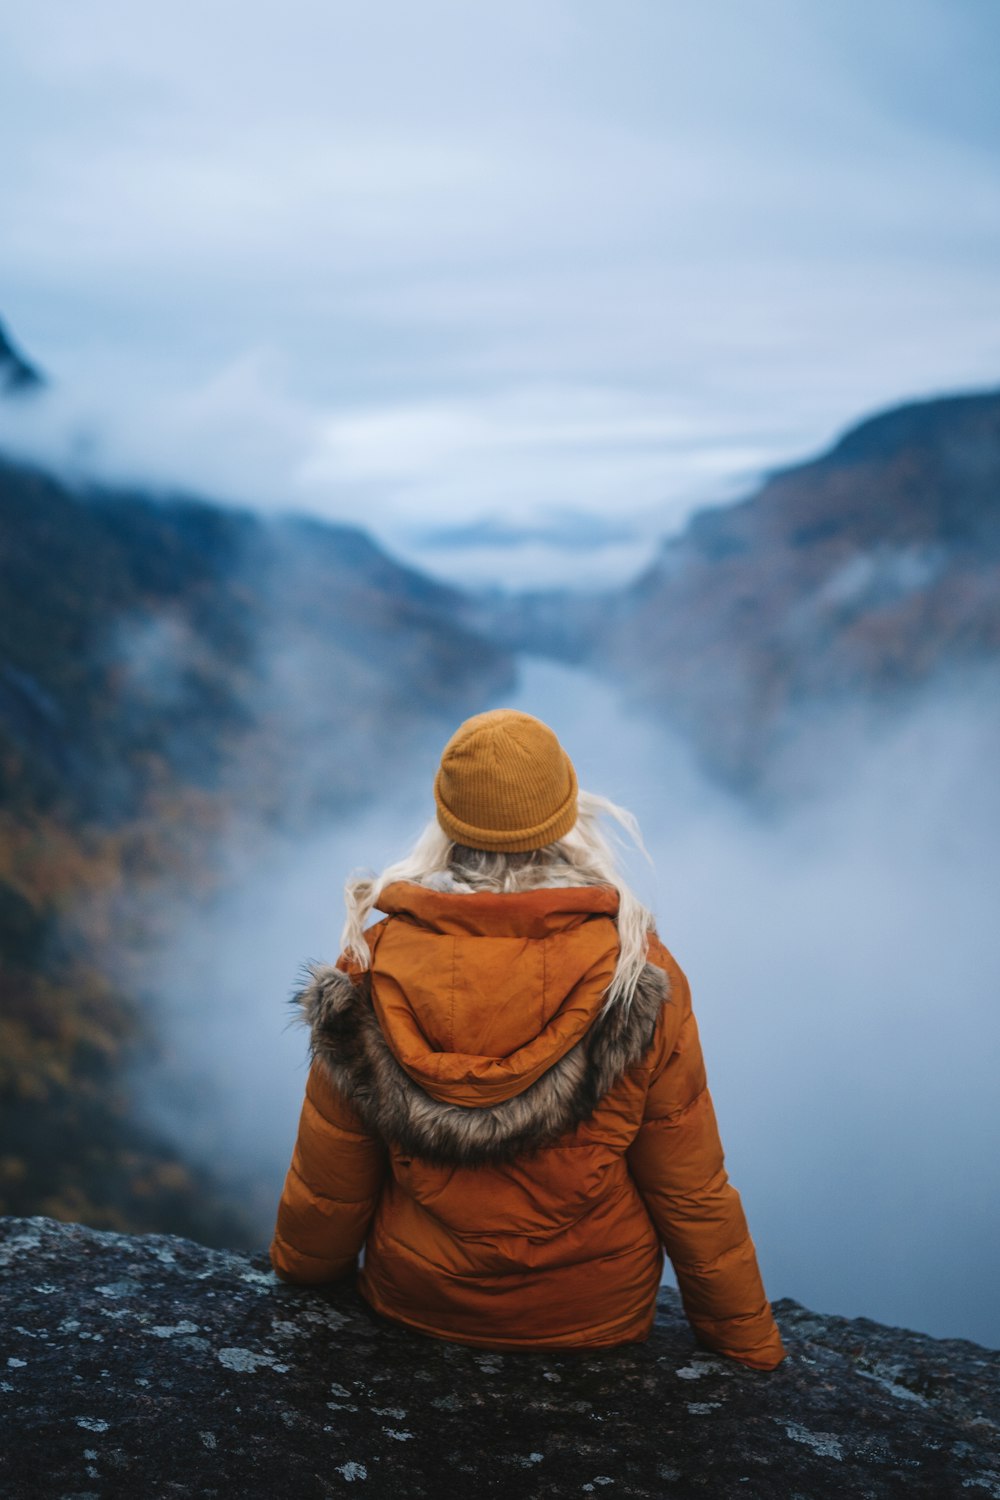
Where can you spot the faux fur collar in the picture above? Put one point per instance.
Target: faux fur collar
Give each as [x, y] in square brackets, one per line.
[347, 1039]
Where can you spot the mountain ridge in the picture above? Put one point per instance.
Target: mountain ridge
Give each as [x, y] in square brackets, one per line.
[176, 674]
[177, 680]
[858, 579]
[18, 376]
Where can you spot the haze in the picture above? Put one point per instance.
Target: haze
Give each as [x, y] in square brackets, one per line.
[443, 264]
[843, 959]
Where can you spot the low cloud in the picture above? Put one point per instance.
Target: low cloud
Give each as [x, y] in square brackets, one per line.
[533, 460]
[397, 265]
[843, 956]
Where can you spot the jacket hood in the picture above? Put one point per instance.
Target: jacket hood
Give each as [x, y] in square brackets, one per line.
[479, 994]
[479, 1029]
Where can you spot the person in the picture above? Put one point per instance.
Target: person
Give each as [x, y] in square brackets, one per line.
[507, 1106]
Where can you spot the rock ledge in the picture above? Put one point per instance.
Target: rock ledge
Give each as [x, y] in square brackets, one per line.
[152, 1366]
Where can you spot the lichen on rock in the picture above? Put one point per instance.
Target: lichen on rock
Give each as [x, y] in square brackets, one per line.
[153, 1366]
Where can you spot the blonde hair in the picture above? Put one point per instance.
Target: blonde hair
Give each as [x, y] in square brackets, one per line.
[584, 856]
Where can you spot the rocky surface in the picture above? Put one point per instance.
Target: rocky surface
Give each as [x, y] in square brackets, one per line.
[155, 1367]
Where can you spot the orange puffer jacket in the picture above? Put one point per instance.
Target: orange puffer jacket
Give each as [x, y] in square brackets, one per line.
[514, 1160]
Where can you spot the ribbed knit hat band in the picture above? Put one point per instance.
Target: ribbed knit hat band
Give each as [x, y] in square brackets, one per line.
[505, 783]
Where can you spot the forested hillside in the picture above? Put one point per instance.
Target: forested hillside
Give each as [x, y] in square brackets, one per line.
[844, 586]
[181, 680]
[173, 675]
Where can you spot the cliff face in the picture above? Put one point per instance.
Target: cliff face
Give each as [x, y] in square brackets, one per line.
[154, 1366]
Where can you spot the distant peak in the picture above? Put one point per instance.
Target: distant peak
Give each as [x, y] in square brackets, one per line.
[920, 421]
[18, 376]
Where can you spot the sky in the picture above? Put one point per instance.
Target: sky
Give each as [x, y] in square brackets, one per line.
[482, 277]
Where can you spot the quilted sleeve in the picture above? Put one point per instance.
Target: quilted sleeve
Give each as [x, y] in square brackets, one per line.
[677, 1163]
[331, 1188]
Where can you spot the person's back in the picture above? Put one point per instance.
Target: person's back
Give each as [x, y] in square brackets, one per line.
[507, 1104]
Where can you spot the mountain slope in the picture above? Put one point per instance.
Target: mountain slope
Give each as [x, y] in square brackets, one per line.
[146, 640]
[858, 578]
[18, 376]
[173, 676]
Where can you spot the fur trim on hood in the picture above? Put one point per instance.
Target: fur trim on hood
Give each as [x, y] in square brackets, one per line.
[346, 1038]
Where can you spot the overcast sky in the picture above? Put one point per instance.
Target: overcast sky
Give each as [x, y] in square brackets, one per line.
[419, 265]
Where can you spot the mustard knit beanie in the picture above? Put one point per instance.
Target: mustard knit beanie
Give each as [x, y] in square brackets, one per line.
[505, 783]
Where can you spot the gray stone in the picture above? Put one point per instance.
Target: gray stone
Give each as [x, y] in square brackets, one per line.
[151, 1366]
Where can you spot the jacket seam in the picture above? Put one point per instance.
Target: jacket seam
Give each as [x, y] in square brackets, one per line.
[699, 1268]
[477, 1274]
[545, 978]
[594, 1335]
[454, 992]
[325, 1260]
[344, 1130]
[330, 1197]
[678, 1113]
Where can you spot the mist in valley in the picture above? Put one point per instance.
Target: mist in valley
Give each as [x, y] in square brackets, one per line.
[843, 955]
[355, 353]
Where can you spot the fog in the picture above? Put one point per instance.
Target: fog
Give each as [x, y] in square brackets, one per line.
[418, 266]
[843, 958]
[472, 487]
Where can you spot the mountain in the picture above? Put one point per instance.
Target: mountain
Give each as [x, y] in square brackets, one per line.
[177, 679]
[18, 376]
[847, 583]
[180, 679]
[150, 643]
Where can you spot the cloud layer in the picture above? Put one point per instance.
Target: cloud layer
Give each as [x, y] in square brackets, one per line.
[843, 959]
[346, 259]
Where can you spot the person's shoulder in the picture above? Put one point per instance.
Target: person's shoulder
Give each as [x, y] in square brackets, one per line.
[678, 988]
[676, 1007]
